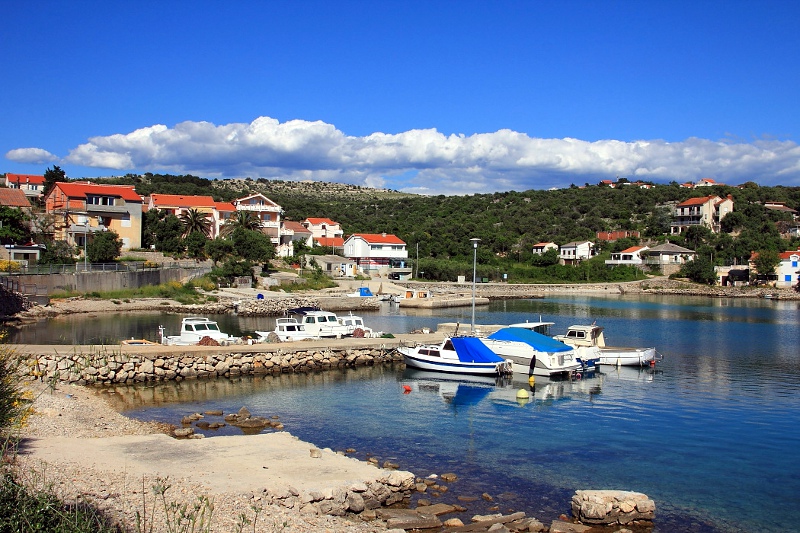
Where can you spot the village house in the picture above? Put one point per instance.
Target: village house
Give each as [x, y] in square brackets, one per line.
[573, 253]
[84, 208]
[293, 232]
[610, 236]
[705, 211]
[789, 269]
[668, 257]
[629, 256]
[377, 253]
[542, 247]
[32, 186]
[27, 253]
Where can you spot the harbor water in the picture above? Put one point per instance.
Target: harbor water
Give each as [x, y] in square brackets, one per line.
[710, 433]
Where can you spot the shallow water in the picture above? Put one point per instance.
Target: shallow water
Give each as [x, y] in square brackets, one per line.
[710, 434]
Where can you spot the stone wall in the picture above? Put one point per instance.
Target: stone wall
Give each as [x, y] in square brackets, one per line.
[107, 368]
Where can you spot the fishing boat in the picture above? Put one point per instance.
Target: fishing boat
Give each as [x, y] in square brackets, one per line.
[287, 330]
[355, 326]
[533, 354]
[456, 355]
[193, 330]
[590, 339]
[322, 324]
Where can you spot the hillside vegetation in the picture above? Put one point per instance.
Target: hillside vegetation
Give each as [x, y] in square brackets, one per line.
[510, 223]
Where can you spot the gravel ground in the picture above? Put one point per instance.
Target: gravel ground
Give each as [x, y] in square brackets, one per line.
[75, 411]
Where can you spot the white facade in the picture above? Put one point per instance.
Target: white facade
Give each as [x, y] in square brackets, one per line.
[629, 256]
[376, 252]
[574, 252]
[789, 269]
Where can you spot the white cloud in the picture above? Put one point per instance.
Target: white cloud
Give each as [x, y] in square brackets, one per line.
[35, 156]
[426, 159]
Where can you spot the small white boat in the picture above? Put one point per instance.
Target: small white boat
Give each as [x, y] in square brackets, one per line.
[456, 355]
[355, 326]
[287, 330]
[587, 357]
[193, 330]
[591, 340]
[532, 353]
[322, 324]
[362, 292]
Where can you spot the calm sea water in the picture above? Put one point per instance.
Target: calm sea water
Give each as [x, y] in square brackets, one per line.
[711, 433]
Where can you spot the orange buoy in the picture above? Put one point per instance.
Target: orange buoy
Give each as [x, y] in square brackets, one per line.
[406, 389]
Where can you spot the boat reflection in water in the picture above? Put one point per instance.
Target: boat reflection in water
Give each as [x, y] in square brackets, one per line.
[463, 390]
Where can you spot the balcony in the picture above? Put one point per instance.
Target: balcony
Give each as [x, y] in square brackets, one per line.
[94, 208]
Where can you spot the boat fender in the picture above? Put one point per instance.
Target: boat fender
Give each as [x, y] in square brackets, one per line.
[406, 389]
[531, 380]
[578, 376]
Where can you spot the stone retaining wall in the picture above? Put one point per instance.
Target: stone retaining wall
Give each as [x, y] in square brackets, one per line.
[107, 368]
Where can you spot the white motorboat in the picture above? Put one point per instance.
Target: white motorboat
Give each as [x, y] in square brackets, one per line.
[587, 357]
[590, 339]
[456, 355]
[532, 353]
[355, 326]
[287, 330]
[321, 323]
[193, 330]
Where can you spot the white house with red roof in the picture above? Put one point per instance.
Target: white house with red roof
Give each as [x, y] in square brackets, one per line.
[629, 256]
[84, 208]
[376, 252]
[323, 228]
[789, 269]
[542, 247]
[266, 211]
[31, 185]
[705, 211]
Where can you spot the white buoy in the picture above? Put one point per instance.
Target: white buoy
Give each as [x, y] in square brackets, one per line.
[523, 394]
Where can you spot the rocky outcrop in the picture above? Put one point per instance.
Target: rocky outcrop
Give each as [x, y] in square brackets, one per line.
[358, 498]
[609, 507]
[105, 368]
[12, 302]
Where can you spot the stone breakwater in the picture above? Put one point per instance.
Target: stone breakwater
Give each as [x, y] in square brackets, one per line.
[107, 368]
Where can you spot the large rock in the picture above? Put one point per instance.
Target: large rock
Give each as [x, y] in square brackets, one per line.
[609, 507]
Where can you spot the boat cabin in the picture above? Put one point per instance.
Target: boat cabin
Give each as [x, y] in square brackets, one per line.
[584, 336]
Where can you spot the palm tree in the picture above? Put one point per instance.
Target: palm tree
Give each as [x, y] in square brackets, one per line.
[195, 220]
[242, 219]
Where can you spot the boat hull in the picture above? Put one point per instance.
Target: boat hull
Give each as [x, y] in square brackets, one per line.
[612, 356]
[437, 364]
[520, 354]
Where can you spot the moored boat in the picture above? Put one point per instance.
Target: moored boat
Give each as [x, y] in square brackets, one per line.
[287, 330]
[194, 329]
[355, 326]
[532, 353]
[456, 355]
[590, 339]
[318, 323]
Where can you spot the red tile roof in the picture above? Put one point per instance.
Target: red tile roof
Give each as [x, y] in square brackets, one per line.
[318, 221]
[178, 200]
[24, 178]
[296, 227]
[81, 190]
[333, 242]
[696, 201]
[382, 238]
[632, 249]
[13, 198]
[224, 206]
[785, 256]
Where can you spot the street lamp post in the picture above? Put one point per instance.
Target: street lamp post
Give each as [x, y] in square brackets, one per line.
[474, 242]
[85, 233]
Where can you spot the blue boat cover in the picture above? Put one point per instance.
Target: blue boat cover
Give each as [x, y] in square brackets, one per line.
[364, 291]
[472, 350]
[540, 342]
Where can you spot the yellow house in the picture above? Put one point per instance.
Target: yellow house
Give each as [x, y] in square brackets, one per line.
[83, 208]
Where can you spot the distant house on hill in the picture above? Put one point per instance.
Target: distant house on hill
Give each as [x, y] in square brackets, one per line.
[377, 253]
[789, 269]
[705, 211]
[573, 253]
[542, 247]
[668, 257]
[83, 208]
[323, 228]
[629, 256]
[610, 236]
[31, 185]
[15, 198]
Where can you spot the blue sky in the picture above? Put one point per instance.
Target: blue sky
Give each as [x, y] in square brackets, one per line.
[427, 97]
